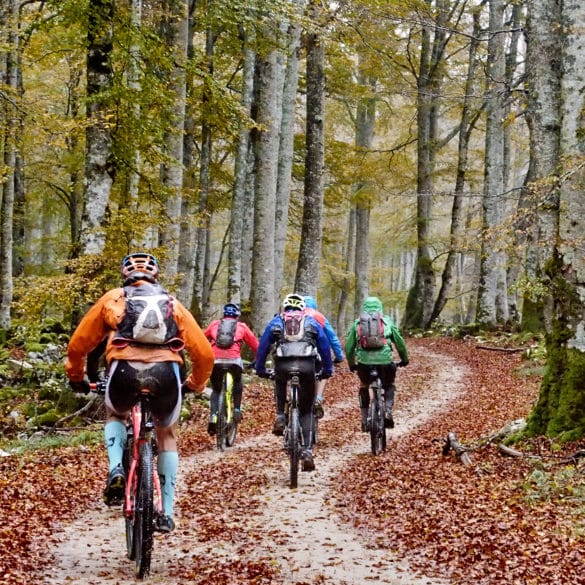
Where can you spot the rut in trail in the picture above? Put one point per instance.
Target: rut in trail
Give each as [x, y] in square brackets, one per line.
[296, 531]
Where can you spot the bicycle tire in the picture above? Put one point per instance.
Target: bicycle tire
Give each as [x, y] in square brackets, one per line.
[381, 419]
[232, 424]
[295, 434]
[144, 512]
[376, 416]
[129, 520]
[221, 420]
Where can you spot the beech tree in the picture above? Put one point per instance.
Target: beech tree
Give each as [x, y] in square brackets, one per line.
[560, 409]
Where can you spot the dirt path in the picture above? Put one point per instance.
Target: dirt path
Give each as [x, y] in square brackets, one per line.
[310, 547]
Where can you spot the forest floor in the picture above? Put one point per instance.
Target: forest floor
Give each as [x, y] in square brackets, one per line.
[412, 515]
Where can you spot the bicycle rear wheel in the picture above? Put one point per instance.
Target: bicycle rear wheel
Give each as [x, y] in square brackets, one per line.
[144, 512]
[377, 431]
[232, 424]
[294, 446]
[220, 437]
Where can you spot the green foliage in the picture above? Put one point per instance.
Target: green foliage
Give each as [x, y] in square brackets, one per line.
[549, 484]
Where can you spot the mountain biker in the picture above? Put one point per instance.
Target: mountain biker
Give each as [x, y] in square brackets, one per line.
[362, 359]
[132, 366]
[295, 350]
[311, 309]
[228, 354]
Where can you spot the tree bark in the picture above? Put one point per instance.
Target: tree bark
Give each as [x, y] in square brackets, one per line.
[307, 276]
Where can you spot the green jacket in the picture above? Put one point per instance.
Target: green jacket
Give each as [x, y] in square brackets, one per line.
[355, 353]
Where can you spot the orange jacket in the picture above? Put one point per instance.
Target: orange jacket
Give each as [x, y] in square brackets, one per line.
[102, 320]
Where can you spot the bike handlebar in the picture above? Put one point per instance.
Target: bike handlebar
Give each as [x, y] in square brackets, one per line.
[270, 375]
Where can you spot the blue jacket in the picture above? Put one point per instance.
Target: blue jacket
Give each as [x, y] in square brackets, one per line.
[272, 334]
[329, 331]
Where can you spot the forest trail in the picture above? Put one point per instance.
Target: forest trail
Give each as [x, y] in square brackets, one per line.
[296, 530]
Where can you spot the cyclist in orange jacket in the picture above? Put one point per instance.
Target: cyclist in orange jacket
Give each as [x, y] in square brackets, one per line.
[133, 365]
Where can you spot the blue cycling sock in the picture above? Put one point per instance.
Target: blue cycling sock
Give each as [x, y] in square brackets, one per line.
[115, 436]
[167, 466]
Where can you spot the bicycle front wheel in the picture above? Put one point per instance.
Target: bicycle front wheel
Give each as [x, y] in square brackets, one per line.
[129, 520]
[144, 512]
[294, 446]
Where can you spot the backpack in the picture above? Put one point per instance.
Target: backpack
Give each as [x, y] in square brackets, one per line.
[370, 330]
[148, 317]
[226, 332]
[296, 339]
[294, 325]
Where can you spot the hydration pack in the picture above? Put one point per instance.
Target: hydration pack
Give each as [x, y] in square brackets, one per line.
[226, 332]
[148, 318]
[297, 340]
[370, 330]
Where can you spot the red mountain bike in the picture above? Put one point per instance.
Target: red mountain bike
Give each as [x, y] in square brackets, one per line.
[142, 501]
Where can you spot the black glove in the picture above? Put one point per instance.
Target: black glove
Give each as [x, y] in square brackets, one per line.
[263, 374]
[324, 375]
[80, 387]
[337, 360]
[352, 367]
[185, 389]
[402, 364]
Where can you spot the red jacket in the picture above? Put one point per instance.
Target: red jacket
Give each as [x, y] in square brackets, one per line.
[242, 335]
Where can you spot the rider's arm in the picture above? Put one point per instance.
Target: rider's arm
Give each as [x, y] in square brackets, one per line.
[324, 349]
[263, 349]
[350, 344]
[399, 343]
[249, 338]
[333, 340]
[88, 335]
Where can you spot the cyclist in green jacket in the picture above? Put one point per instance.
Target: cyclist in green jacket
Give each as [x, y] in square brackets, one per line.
[369, 343]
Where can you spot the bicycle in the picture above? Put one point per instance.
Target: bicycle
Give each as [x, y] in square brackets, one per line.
[142, 498]
[227, 422]
[293, 441]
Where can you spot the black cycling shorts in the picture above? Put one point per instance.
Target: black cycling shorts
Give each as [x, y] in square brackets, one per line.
[127, 378]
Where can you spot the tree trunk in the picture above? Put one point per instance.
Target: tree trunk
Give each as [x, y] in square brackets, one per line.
[263, 296]
[492, 306]
[9, 148]
[365, 122]
[307, 276]
[172, 171]
[286, 148]
[241, 176]
[99, 167]
[467, 124]
[560, 409]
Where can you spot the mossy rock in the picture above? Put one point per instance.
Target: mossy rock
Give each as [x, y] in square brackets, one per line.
[47, 419]
[48, 393]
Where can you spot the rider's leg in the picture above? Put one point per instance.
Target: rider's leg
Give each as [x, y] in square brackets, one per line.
[115, 438]
[237, 390]
[387, 376]
[306, 368]
[363, 372]
[216, 380]
[167, 466]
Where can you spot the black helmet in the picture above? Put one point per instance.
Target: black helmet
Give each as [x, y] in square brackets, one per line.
[231, 310]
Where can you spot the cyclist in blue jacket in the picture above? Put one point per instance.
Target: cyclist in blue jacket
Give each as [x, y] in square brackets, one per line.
[312, 310]
[296, 340]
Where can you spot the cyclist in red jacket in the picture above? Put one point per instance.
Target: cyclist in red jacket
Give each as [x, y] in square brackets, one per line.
[227, 336]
